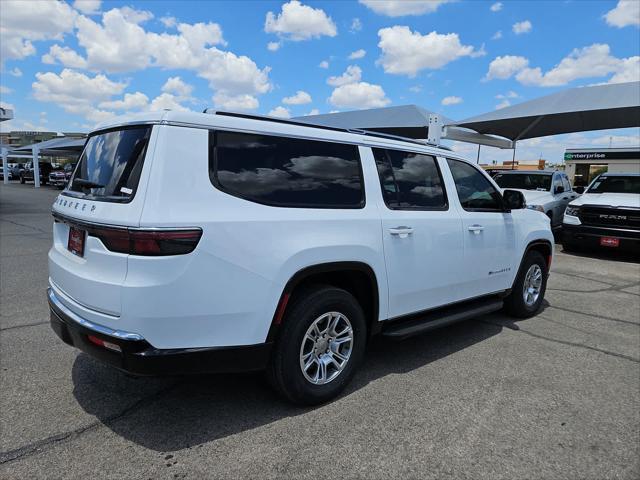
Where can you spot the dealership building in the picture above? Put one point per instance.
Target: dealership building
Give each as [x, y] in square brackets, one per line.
[584, 164]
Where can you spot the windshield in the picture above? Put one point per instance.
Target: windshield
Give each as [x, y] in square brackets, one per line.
[524, 181]
[616, 185]
[110, 165]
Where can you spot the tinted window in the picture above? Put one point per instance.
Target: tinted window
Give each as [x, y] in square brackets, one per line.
[110, 165]
[566, 184]
[287, 172]
[474, 190]
[409, 180]
[557, 182]
[617, 184]
[524, 181]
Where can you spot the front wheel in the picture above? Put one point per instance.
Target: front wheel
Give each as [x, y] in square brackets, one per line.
[528, 291]
[320, 346]
[22, 180]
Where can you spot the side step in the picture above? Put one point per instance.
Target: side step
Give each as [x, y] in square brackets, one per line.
[440, 317]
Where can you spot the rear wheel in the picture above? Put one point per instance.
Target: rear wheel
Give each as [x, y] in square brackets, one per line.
[22, 180]
[320, 346]
[528, 291]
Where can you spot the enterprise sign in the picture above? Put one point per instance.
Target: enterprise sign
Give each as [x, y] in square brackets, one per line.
[602, 155]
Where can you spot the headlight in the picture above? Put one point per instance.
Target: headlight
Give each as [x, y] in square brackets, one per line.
[539, 208]
[572, 211]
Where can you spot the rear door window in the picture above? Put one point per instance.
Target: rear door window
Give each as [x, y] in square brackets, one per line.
[286, 172]
[110, 165]
[409, 180]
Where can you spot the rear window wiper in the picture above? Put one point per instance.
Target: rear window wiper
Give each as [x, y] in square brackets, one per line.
[81, 182]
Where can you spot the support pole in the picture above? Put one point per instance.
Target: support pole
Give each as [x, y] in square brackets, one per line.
[5, 165]
[36, 167]
[478, 158]
[513, 159]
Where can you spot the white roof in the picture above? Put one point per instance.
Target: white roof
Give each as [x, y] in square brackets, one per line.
[268, 125]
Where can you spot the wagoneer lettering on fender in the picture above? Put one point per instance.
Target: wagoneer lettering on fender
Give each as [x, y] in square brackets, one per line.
[220, 242]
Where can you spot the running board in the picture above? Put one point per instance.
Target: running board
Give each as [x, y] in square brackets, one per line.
[440, 317]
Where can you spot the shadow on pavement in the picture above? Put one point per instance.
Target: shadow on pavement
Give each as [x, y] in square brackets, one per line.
[604, 253]
[187, 412]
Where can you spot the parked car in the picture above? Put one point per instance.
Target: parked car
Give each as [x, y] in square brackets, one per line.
[9, 173]
[280, 246]
[544, 191]
[606, 215]
[26, 174]
[60, 178]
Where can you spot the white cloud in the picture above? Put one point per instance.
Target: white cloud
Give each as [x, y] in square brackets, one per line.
[356, 25]
[120, 44]
[522, 27]
[588, 62]
[16, 72]
[496, 7]
[400, 8]
[177, 86]
[509, 94]
[166, 101]
[352, 74]
[506, 66]
[415, 88]
[324, 64]
[628, 71]
[235, 102]
[5, 90]
[313, 111]
[357, 54]
[298, 22]
[617, 140]
[169, 22]
[87, 7]
[77, 93]
[406, 52]
[300, 98]
[21, 23]
[497, 35]
[273, 46]
[280, 112]
[453, 100]
[503, 104]
[64, 55]
[626, 12]
[130, 101]
[359, 95]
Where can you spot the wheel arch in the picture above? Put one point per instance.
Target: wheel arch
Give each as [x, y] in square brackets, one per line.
[358, 278]
[540, 245]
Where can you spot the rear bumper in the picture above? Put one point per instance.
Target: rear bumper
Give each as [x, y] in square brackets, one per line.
[590, 236]
[139, 357]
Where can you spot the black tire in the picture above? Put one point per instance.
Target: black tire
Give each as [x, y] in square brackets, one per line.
[569, 246]
[285, 372]
[515, 304]
[22, 180]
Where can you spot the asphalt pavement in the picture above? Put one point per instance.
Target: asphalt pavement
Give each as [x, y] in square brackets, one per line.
[555, 396]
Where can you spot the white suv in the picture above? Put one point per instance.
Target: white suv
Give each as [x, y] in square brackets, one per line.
[212, 242]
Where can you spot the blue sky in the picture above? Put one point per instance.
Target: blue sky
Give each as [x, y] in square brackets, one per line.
[67, 66]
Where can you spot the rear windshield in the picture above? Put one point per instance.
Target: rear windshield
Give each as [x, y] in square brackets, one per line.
[524, 181]
[110, 165]
[616, 185]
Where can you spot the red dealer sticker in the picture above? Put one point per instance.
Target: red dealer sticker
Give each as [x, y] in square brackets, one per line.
[609, 242]
[76, 241]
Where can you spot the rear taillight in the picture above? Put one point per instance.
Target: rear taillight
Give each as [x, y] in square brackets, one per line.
[147, 242]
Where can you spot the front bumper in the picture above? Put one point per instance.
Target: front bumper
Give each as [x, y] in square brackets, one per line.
[590, 236]
[138, 357]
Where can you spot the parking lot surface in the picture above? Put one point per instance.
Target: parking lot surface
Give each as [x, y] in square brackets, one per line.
[555, 396]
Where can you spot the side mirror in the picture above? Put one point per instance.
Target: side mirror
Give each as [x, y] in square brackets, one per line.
[579, 190]
[514, 200]
[559, 189]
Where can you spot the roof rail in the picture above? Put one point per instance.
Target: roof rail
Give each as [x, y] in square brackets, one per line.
[359, 131]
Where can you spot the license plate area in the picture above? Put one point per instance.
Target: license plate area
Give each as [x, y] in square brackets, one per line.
[76, 241]
[609, 242]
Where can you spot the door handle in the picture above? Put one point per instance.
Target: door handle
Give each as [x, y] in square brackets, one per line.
[476, 229]
[402, 231]
[565, 198]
